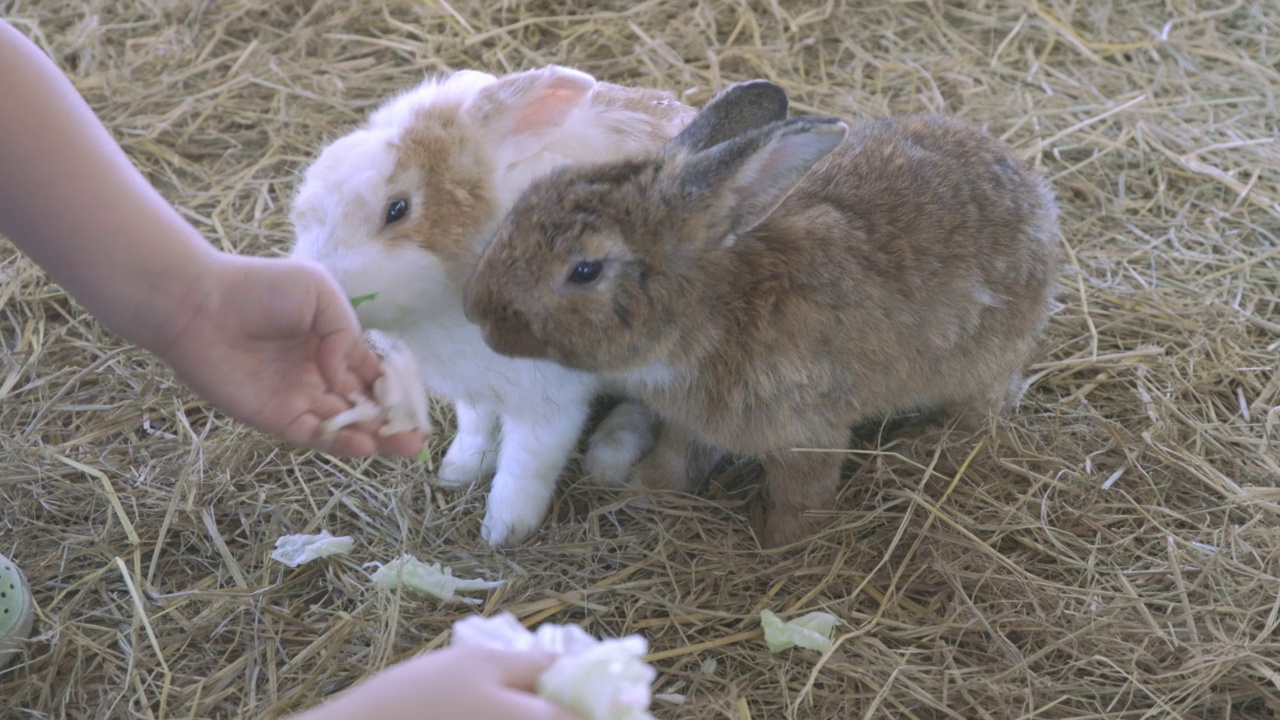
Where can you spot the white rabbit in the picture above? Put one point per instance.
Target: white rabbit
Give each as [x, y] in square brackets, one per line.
[402, 207]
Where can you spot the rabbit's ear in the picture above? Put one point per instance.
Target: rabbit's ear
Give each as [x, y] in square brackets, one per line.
[520, 112]
[737, 110]
[739, 183]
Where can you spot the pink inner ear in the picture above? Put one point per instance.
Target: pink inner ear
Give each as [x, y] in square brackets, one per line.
[549, 109]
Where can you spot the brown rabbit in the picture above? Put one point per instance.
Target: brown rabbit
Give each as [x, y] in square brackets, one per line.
[764, 284]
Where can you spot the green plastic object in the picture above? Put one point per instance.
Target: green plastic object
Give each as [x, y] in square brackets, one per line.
[16, 611]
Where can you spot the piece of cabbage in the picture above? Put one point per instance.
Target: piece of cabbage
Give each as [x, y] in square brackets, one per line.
[399, 398]
[597, 679]
[293, 550]
[812, 631]
[434, 579]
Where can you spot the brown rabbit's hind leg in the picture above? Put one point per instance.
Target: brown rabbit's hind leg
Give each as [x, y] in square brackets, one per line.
[1014, 391]
[977, 411]
[982, 409]
[882, 430]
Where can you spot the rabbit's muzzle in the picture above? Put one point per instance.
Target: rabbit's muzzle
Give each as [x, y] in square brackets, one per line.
[506, 328]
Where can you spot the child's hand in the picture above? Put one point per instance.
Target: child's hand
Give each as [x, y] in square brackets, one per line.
[453, 683]
[275, 344]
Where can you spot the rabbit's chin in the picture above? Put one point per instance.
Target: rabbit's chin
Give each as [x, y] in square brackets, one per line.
[516, 340]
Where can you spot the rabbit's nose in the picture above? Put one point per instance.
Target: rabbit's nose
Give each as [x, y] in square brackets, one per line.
[506, 329]
[479, 302]
[509, 333]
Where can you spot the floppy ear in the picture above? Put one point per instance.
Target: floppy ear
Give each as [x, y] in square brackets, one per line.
[738, 183]
[520, 112]
[738, 109]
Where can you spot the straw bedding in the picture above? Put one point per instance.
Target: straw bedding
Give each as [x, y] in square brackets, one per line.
[1111, 550]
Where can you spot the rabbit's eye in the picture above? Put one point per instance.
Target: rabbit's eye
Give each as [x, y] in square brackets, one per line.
[585, 272]
[397, 210]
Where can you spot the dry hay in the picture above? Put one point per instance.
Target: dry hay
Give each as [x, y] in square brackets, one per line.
[1112, 550]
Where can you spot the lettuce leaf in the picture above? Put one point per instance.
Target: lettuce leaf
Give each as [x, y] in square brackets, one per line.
[432, 579]
[596, 679]
[294, 550]
[812, 631]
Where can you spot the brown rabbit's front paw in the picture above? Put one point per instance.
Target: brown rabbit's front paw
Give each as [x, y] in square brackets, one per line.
[785, 526]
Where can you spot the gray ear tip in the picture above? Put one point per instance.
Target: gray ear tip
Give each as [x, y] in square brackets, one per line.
[762, 92]
[760, 85]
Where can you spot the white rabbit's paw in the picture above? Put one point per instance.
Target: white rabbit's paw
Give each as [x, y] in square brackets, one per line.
[507, 524]
[518, 503]
[467, 461]
[609, 463]
[618, 443]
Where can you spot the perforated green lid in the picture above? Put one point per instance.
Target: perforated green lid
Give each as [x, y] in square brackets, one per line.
[15, 610]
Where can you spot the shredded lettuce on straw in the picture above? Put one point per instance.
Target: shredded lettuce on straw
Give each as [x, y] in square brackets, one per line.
[597, 679]
[434, 579]
[812, 631]
[293, 550]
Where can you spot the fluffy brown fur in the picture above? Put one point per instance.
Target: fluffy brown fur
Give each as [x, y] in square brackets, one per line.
[911, 269]
[442, 153]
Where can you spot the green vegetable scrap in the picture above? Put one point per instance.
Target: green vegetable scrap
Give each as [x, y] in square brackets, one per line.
[812, 631]
[432, 579]
[294, 550]
[355, 301]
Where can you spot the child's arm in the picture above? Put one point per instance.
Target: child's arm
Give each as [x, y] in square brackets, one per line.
[271, 342]
[72, 200]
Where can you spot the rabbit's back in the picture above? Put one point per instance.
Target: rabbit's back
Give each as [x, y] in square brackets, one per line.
[933, 195]
[912, 268]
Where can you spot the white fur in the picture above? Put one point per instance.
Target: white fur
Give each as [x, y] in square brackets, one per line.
[337, 214]
[538, 407]
[398, 113]
[589, 135]
[625, 435]
[985, 296]
[517, 419]
[655, 375]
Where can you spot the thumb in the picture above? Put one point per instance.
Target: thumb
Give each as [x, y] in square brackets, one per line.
[334, 312]
[346, 361]
[519, 670]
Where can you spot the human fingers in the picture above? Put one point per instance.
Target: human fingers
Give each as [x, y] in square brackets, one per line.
[362, 362]
[532, 707]
[359, 439]
[405, 444]
[333, 310]
[347, 365]
[365, 365]
[308, 431]
[519, 670]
